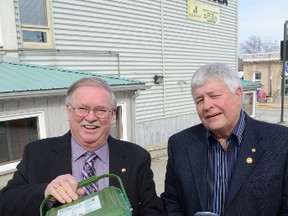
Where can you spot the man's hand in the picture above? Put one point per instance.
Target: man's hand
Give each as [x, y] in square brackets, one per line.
[64, 189]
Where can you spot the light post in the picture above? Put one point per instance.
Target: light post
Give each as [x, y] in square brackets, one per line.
[270, 89]
[283, 73]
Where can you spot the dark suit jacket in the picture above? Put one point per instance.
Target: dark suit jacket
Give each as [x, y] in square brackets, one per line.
[44, 160]
[259, 188]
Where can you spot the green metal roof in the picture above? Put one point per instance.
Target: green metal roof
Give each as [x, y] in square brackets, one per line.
[19, 77]
[248, 85]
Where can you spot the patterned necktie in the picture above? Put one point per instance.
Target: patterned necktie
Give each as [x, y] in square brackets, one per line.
[89, 171]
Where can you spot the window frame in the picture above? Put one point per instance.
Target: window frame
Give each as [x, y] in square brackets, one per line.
[10, 167]
[123, 120]
[47, 29]
[120, 124]
[1, 34]
[253, 105]
[255, 74]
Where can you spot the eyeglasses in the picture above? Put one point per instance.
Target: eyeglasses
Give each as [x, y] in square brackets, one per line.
[84, 111]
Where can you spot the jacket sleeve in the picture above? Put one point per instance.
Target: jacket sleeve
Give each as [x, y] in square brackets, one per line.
[170, 197]
[150, 203]
[20, 197]
[284, 204]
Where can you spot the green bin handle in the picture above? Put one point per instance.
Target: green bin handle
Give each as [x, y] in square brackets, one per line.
[89, 181]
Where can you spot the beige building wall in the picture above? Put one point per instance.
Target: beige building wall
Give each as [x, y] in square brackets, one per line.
[270, 66]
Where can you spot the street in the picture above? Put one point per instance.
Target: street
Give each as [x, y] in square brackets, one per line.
[270, 113]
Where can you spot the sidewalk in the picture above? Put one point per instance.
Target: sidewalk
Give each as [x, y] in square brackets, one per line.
[270, 105]
[158, 166]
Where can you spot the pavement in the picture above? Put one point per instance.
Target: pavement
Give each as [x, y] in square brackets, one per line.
[158, 166]
[270, 106]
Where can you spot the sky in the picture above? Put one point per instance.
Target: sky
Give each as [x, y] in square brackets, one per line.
[264, 18]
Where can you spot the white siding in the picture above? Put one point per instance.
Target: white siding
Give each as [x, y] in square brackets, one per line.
[151, 37]
[53, 107]
[189, 44]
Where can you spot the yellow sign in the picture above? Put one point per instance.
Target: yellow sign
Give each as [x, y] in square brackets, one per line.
[203, 12]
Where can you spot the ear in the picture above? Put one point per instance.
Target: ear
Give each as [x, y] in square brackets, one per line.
[239, 91]
[239, 94]
[113, 114]
[68, 111]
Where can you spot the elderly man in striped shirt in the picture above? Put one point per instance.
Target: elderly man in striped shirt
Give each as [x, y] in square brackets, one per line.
[230, 164]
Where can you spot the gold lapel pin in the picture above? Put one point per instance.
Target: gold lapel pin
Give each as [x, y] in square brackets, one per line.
[253, 150]
[249, 160]
[123, 170]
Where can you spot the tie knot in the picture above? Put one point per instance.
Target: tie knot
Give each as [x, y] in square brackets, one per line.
[90, 156]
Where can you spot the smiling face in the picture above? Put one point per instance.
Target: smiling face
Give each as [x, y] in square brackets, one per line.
[217, 107]
[90, 132]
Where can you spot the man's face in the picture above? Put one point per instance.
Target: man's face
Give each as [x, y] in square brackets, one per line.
[217, 107]
[90, 131]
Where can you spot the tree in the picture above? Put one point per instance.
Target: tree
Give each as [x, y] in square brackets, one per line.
[255, 44]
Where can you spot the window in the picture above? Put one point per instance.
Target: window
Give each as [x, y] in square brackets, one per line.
[35, 23]
[248, 103]
[257, 77]
[14, 135]
[15, 132]
[119, 127]
[1, 36]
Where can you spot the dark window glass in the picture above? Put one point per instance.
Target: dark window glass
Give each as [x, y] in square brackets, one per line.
[14, 135]
[257, 76]
[34, 36]
[117, 126]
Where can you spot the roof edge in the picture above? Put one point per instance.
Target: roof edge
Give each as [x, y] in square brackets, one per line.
[62, 92]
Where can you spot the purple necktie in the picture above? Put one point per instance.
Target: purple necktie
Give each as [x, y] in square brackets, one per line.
[89, 171]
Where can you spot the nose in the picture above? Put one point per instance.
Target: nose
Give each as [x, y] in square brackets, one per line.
[91, 116]
[207, 103]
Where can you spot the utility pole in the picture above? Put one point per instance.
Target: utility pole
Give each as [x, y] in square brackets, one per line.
[283, 73]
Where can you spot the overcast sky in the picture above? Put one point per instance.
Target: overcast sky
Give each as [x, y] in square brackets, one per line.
[265, 18]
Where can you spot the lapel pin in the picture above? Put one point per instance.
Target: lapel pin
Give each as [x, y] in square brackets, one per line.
[249, 160]
[253, 150]
[123, 170]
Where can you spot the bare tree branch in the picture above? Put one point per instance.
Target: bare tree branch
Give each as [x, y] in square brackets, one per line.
[255, 44]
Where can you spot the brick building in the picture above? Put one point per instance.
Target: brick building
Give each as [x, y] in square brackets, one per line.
[266, 68]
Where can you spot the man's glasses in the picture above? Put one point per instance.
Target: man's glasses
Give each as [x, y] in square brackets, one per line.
[84, 111]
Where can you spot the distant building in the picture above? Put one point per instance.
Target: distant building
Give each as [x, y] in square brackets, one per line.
[266, 69]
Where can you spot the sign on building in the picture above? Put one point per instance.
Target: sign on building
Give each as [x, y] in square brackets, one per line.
[203, 12]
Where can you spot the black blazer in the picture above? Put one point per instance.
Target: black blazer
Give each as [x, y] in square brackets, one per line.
[45, 159]
[259, 188]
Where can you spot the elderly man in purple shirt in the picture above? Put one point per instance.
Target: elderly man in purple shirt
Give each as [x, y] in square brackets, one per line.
[54, 166]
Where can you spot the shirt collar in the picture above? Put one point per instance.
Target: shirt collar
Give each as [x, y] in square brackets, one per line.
[237, 130]
[78, 151]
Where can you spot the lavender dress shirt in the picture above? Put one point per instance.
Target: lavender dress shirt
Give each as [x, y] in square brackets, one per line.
[101, 164]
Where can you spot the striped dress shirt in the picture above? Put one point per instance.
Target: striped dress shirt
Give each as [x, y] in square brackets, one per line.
[221, 165]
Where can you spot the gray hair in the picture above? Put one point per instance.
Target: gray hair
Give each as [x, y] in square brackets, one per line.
[218, 71]
[91, 81]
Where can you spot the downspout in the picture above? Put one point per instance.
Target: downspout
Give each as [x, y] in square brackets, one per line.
[133, 115]
[163, 60]
[118, 62]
